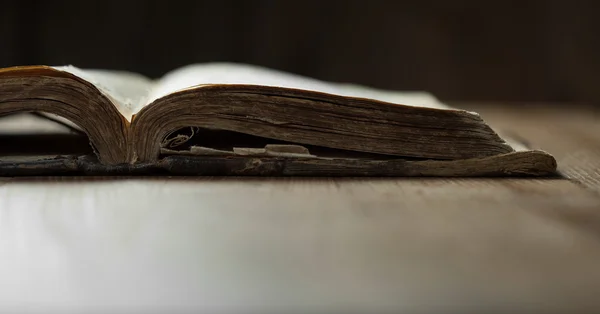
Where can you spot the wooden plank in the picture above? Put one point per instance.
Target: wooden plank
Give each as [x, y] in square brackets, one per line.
[570, 133]
[262, 245]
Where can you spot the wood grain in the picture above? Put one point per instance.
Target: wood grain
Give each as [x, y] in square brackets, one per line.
[310, 245]
[570, 134]
[314, 245]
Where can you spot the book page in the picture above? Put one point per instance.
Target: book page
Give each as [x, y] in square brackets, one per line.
[198, 75]
[131, 92]
[126, 90]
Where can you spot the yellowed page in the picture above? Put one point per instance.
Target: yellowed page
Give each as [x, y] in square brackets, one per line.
[126, 90]
[196, 75]
[131, 92]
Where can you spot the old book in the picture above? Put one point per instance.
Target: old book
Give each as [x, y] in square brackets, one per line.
[222, 118]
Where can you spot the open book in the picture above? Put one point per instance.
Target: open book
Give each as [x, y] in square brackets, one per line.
[222, 118]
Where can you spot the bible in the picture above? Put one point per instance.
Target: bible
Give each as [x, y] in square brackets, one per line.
[236, 119]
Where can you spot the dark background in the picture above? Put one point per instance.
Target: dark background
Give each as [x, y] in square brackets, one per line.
[459, 50]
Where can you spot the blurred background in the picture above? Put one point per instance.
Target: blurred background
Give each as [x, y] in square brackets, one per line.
[461, 50]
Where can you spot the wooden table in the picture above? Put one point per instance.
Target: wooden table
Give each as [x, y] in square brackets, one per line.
[316, 245]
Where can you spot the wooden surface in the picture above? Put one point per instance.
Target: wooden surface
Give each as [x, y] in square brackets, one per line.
[316, 245]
